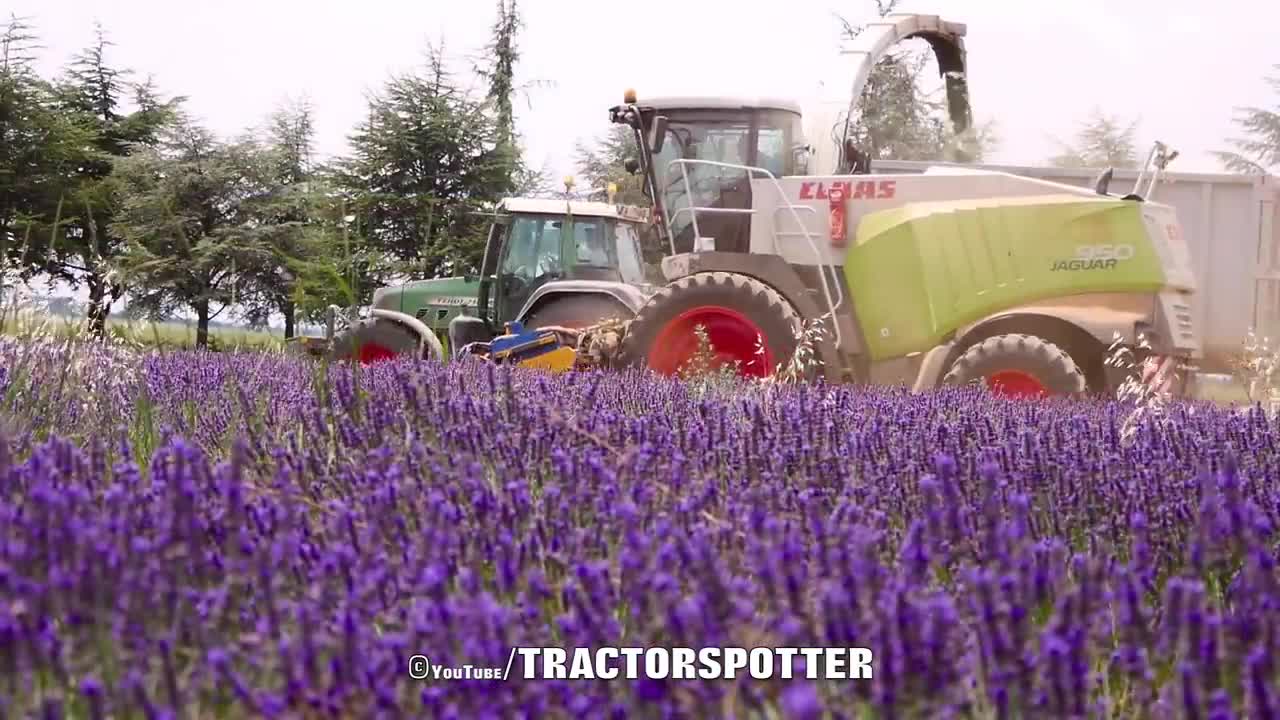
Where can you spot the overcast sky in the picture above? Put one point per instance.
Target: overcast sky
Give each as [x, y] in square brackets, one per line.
[1036, 67]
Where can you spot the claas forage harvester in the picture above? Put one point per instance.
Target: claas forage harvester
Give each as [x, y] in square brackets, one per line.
[770, 222]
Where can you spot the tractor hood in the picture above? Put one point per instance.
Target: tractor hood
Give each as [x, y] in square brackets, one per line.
[434, 302]
[454, 291]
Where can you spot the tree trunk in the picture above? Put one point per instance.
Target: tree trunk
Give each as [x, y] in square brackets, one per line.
[99, 306]
[202, 324]
[289, 311]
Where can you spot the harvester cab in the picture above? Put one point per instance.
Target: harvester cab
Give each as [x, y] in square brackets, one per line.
[956, 275]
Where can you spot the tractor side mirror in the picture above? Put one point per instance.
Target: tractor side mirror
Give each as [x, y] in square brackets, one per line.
[659, 133]
[631, 166]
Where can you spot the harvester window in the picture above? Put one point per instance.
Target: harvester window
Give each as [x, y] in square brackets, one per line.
[771, 150]
[630, 261]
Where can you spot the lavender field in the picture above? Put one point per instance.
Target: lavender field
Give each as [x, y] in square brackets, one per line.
[201, 535]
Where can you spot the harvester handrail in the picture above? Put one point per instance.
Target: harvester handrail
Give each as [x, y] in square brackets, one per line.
[817, 254]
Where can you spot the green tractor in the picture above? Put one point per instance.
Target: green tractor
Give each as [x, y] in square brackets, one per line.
[547, 263]
[947, 277]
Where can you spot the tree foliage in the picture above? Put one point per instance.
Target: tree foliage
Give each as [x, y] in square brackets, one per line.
[188, 212]
[1101, 141]
[282, 215]
[604, 162]
[895, 118]
[1259, 151]
[93, 93]
[40, 149]
[422, 166]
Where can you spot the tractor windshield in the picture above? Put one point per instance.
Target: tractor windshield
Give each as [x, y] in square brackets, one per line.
[587, 247]
[757, 138]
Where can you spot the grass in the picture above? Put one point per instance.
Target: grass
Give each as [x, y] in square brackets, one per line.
[169, 335]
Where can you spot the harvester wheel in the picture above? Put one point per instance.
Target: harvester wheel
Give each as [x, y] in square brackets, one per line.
[576, 311]
[745, 320]
[373, 340]
[1018, 365]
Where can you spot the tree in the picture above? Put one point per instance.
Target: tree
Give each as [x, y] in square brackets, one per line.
[186, 216]
[896, 119]
[422, 166]
[92, 92]
[282, 214]
[1102, 141]
[337, 267]
[500, 73]
[39, 151]
[604, 162]
[1259, 151]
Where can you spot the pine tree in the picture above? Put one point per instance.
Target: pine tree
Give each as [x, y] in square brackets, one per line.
[1102, 141]
[282, 215]
[500, 72]
[605, 162]
[423, 165]
[94, 93]
[1259, 151]
[40, 149]
[186, 214]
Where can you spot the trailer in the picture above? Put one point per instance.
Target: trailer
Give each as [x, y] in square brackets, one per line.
[1232, 228]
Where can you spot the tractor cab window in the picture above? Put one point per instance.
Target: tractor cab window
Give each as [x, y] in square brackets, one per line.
[530, 257]
[592, 243]
[533, 248]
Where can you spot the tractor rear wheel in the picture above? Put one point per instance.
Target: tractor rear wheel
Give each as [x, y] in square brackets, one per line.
[374, 340]
[576, 311]
[1018, 365]
[746, 322]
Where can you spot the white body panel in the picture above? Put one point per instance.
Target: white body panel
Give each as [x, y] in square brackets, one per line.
[1231, 224]
[774, 229]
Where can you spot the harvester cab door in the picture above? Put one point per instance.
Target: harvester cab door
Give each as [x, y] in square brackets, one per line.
[739, 137]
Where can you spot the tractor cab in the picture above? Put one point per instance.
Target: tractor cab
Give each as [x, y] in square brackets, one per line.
[536, 241]
[558, 262]
[733, 139]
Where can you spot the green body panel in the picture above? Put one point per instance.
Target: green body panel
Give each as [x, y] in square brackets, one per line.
[434, 302]
[921, 271]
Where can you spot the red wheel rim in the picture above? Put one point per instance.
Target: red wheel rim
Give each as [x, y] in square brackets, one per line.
[733, 338]
[373, 352]
[1016, 384]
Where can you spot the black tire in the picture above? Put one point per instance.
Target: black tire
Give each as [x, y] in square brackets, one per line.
[576, 311]
[776, 320]
[373, 332]
[1053, 368]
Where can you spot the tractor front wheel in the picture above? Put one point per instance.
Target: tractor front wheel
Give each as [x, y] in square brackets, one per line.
[1018, 366]
[374, 340]
[747, 323]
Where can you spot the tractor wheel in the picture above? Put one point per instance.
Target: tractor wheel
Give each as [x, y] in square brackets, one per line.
[576, 311]
[373, 340]
[1018, 366]
[745, 321]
